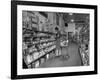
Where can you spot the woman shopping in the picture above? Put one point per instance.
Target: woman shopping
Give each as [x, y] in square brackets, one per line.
[58, 49]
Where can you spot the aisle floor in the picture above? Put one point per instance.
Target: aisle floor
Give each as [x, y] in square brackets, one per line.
[59, 61]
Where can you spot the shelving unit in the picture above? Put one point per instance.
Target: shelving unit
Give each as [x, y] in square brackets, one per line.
[37, 45]
[39, 49]
[84, 44]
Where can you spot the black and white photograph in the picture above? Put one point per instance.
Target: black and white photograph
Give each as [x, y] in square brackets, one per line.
[53, 39]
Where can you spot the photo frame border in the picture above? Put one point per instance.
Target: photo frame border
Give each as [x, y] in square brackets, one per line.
[14, 39]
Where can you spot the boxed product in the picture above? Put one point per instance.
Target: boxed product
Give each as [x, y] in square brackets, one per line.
[36, 55]
[47, 56]
[29, 58]
[29, 66]
[36, 64]
[42, 60]
[33, 65]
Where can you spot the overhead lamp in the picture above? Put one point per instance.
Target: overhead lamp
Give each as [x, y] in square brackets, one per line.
[70, 13]
[72, 20]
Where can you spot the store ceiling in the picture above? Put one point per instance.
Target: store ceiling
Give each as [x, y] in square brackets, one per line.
[75, 17]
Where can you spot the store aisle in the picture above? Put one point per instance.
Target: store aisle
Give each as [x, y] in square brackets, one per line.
[74, 60]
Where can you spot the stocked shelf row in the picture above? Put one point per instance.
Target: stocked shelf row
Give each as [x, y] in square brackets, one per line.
[84, 44]
[43, 54]
[84, 55]
[33, 56]
[38, 49]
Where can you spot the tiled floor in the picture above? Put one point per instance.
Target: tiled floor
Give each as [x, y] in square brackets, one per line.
[73, 60]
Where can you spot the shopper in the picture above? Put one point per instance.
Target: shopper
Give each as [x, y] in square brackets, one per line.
[58, 49]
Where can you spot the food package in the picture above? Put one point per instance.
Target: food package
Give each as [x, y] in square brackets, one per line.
[36, 64]
[29, 58]
[42, 60]
[47, 56]
[36, 55]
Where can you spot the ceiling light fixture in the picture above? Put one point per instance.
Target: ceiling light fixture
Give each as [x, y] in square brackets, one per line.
[70, 13]
[72, 20]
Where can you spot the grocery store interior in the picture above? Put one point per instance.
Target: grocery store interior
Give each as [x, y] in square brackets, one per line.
[54, 39]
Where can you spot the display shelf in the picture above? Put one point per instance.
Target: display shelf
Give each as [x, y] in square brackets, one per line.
[35, 49]
[83, 41]
[41, 49]
[84, 55]
[41, 42]
[46, 46]
[32, 37]
[37, 31]
[41, 56]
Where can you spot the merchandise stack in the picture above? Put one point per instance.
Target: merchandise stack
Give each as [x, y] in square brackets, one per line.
[38, 51]
[38, 46]
[84, 44]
